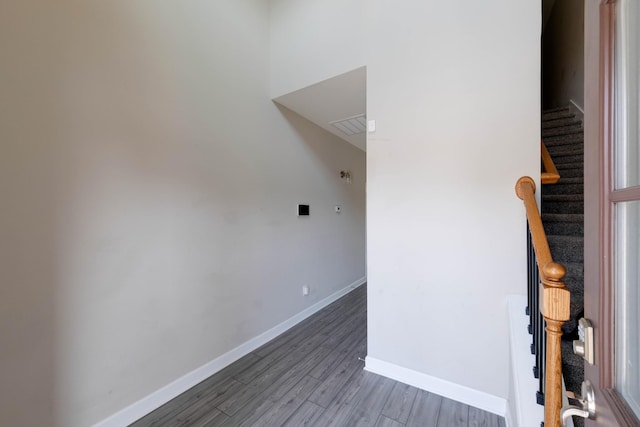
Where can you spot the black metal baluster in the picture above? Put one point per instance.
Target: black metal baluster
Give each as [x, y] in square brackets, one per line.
[541, 360]
[530, 267]
[536, 321]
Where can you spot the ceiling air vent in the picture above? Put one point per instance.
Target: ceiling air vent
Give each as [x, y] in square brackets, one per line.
[352, 125]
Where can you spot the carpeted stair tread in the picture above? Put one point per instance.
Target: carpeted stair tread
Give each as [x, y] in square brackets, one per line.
[564, 228]
[565, 150]
[566, 180]
[560, 160]
[570, 172]
[563, 220]
[575, 284]
[560, 122]
[557, 109]
[563, 203]
[572, 368]
[559, 148]
[576, 180]
[557, 115]
[571, 138]
[563, 224]
[565, 188]
[576, 311]
[562, 198]
[559, 217]
[576, 165]
[574, 268]
[566, 248]
[565, 130]
[574, 279]
[565, 207]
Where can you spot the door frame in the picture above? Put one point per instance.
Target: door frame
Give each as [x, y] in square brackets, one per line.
[598, 210]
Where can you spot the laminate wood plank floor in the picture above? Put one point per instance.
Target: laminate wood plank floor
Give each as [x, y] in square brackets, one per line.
[312, 375]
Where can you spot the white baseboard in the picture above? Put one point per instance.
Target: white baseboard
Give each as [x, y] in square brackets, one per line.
[508, 421]
[158, 398]
[457, 392]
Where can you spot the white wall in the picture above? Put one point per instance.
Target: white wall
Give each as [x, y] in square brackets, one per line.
[454, 88]
[314, 40]
[149, 188]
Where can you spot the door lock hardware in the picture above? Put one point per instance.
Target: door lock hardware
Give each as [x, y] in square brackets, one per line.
[583, 346]
[587, 408]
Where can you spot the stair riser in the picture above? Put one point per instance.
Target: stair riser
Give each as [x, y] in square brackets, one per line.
[566, 130]
[561, 188]
[559, 160]
[566, 150]
[577, 305]
[563, 207]
[557, 115]
[560, 122]
[552, 110]
[566, 250]
[565, 180]
[562, 218]
[565, 153]
[575, 285]
[564, 228]
[574, 138]
[574, 270]
[570, 173]
[576, 308]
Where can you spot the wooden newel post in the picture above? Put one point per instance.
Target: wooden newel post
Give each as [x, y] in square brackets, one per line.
[554, 307]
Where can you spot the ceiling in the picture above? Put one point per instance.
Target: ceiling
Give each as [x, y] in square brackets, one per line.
[334, 100]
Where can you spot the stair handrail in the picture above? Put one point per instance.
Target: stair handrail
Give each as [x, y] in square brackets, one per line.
[554, 302]
[549, 173]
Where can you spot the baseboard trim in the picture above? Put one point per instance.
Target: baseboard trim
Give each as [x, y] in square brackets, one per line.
[158, 398]
[457, 392]
[508, 421]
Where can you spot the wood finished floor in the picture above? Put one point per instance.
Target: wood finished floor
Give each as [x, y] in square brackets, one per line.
[312, 375]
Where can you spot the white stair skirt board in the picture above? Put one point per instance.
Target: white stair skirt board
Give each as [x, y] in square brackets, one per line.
[444, 388]
[158, 398]
[525, 411]
[577, 110]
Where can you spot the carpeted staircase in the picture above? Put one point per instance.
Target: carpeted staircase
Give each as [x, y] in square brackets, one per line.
[563, 219]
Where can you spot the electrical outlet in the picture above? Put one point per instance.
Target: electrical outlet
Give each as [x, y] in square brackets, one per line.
[305, 290]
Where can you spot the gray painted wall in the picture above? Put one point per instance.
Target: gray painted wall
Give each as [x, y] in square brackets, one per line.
[148, 191]
[454, 88]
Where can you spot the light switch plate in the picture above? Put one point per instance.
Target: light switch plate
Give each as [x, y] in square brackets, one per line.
[371, 126]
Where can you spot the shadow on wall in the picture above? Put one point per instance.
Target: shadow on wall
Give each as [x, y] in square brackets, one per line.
[344, 234]
[93, 119]
[322, 145]
[29, 128]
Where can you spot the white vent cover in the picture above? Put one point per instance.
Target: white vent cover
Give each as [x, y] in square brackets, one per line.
[351, 125]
